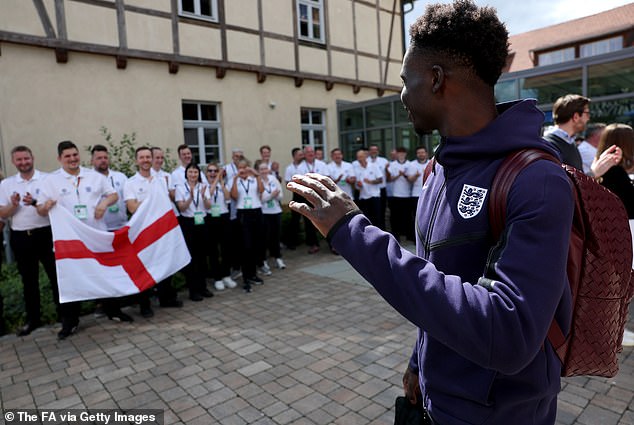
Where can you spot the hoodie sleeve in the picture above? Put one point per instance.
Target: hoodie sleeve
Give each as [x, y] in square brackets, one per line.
[497, 323]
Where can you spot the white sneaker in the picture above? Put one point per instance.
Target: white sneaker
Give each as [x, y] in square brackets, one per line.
[219, 285]
[280, 263]
[265, 269]
[628, 338]
[229, 283]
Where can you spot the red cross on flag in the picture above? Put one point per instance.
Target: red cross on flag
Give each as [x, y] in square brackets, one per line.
[94, 264]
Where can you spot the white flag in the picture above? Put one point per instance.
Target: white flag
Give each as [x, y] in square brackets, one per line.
[94, 264]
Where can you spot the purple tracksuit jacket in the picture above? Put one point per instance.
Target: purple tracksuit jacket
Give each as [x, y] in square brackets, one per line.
[482, 307]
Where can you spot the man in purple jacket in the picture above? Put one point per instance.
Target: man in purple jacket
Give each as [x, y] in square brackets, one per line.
[483, 307]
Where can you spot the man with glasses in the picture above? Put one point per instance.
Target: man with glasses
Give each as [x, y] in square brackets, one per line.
[571, 114]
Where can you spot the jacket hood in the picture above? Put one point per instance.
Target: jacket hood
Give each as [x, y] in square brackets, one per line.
[520, 118]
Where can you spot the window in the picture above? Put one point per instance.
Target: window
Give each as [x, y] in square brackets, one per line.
[314, 128]
[556, 56]
[202, 9]
[602, 46]
[310, 15]
[201, 122]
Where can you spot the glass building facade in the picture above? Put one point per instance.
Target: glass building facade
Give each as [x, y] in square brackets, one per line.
[607, 79]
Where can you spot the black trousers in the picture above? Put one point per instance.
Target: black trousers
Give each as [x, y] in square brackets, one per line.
[196, 270]
[30, 248]
[371, 208]
[309, 230]
[251, 222]
[400, 217]
[219, 245]
[271, 227]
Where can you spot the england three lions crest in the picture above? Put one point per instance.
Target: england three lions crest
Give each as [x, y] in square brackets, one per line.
[471, 201]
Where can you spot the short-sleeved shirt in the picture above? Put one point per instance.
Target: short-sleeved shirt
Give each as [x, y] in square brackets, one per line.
[138, 188]
[370, 172]
[248, 195]
[380, 162]
[344, 170]
[401, 187]
[291, 170]
[116, 215]
[417, 167]
[82, 192]
[317, 166]
[26, 216]
[183, 192]
[218, 201]
[270, 203]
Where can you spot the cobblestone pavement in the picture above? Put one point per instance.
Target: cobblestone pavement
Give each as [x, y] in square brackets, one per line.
[313, 345]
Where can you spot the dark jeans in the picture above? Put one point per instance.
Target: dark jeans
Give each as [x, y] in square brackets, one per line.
[400, 217]
[309, 230]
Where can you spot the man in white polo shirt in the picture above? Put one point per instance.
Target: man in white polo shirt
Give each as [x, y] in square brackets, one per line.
[135, 191]
[31, 239]
[86, 194]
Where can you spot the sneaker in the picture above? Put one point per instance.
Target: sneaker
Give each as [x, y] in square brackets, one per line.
[229, 282]
[235, 274]
[628, 338]
[255, 280]
[265, 269]
[219, 285]
[280, 263]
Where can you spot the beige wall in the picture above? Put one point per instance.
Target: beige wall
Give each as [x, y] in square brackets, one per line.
[45, 102]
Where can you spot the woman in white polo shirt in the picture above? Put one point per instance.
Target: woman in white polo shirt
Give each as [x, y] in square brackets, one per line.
[193, 202]
[219, 229]
[246, 190]
[272, 218]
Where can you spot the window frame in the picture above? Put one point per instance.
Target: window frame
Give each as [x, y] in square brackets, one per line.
[197, 11]
[200, 126]
[311, 4]
[311, 128]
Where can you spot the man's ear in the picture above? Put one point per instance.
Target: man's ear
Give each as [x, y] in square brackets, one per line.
[438, 78]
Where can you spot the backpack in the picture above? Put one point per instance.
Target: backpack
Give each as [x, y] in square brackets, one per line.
[599, 267]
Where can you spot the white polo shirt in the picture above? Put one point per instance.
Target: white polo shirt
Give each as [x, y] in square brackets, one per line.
[270, 203]
[26, 216]
[317, 166]
[417, 167]
[368, 190]
[137, 187]
[248, 195]
[84, 190]
[116, 215]
[183, 192]
[380, 162]
[218, 201]
[344, 170]
[401, 187]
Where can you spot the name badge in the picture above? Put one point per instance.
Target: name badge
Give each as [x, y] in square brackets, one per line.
[81, 211]
[216, 210]
[248, 202]
[199, 218]
[114, 208]
[270, 204]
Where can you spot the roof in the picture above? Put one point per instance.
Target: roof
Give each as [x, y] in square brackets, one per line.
[593, 26]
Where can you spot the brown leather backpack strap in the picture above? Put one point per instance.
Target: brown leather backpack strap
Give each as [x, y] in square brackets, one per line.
[506, 174]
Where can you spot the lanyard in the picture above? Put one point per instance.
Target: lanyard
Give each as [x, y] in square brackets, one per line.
[77, 188]
[270, 187]
[246, 189]
[196, 201]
